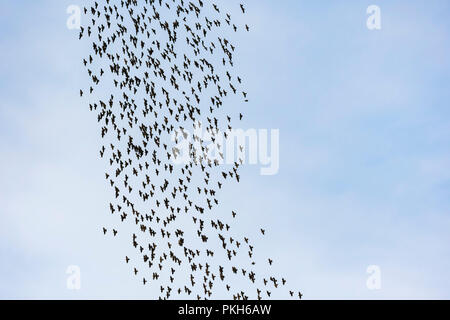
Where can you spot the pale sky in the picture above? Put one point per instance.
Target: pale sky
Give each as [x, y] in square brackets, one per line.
[364, 173]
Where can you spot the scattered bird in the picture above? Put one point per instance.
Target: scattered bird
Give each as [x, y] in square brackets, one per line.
[166, 68]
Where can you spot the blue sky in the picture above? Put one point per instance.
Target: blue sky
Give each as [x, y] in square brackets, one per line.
[364, 176]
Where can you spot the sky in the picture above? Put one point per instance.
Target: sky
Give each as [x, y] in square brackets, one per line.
[364, 175]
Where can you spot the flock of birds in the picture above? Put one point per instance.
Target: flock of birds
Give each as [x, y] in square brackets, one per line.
[167, 68]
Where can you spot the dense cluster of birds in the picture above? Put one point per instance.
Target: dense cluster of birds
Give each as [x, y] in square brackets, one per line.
[167, 69]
